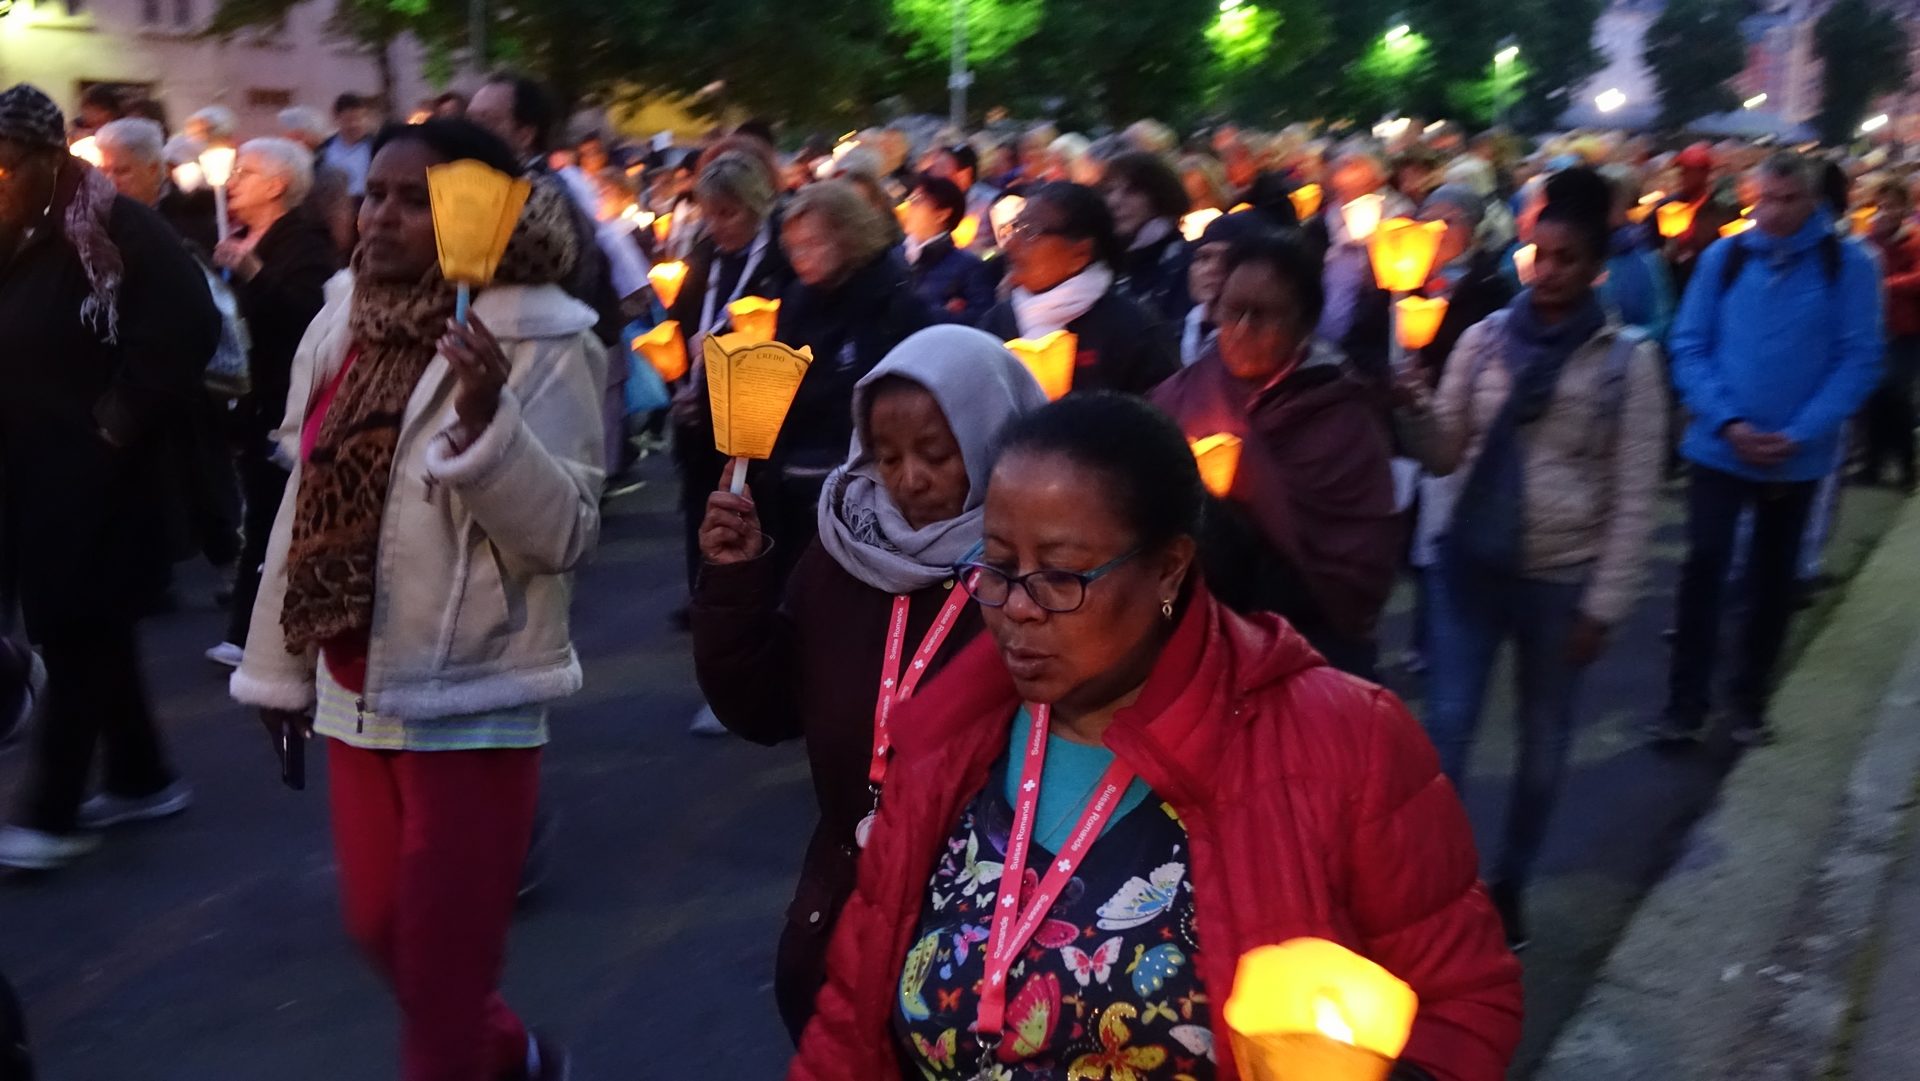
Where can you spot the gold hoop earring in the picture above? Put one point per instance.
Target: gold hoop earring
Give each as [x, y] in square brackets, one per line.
[1166, 609]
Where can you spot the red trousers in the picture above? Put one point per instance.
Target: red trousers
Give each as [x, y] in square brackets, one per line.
[430, 845]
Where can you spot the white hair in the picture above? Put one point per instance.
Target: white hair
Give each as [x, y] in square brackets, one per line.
[135, 138]
[287, 160]
[304, 120]
[218, 120]
[1072, 146]
[182, 149]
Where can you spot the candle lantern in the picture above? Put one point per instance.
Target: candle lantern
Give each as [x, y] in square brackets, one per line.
[1218, 457]
[1862, 216]
[1050, 359]
[1311, 1009]
[216, 167]
[965, 232]
[1305, 200]
[475, 209]
[667, 278]
[1362, 217]
[1403, 251]
[755, 318]
[1002, 216]
[1523, 263]
[665, 348]
[1736, 227]
[1419, 320]
[1673, 219]
[87, 150]
[662, 228]
[1194, 225]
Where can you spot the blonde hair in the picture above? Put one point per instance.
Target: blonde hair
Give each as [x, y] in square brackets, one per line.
[858, 229]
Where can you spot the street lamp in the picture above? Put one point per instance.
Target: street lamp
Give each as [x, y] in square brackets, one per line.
[1754, 102]
[1503, 62]
[1610, 101]
[1873, 124]
[1398, 34]
[960, 78]
[1507, 55]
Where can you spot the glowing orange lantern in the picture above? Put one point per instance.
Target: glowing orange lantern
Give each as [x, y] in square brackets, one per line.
[1305, 200]
[755, 318]
[1523, 263]
[662, 227]
[1218, 457]
[1639, 214]
[1403, 251]
[965, 232]
[1736, 227]
[1050, 359]
[1362, 216]
[665, 348]
[1417, 320]
[1313, 1009]
[1674, 219]
[1862, 217]
[1194, 225]
[1240, 208]
[667, 278]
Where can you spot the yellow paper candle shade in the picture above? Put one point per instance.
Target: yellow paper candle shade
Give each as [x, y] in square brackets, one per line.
[1050, 359]
[475, 209]
[1403, 251]
[1639, 214]
[665, 347]
[755, 317]
[662, 228]
[750, 390]
[667, 278]
[1419, 320]
[1736, 227]
[1218, 457]
[1673, 219]
[1306, 200]
[1311, 1009]
[965, 232]
[1240, 208]
[1194, 225]
[1861, 217]
[1362, 217]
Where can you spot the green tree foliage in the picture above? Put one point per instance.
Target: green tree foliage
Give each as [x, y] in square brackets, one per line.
[1692, 49]
[1396, 74]
[1864, 55]
[1109, 61]
[1556, 47]
[993, 27]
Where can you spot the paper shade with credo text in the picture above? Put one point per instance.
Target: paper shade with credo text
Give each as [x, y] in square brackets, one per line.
[1310, 1008]
[755, 317]
[667, 278]
[475, 209]
[750, 390]
[1305, 200]
[1418, 320]
[1050, 359]
[1673, 219]
[1218, 457]
[665, 347]
[1403, 251]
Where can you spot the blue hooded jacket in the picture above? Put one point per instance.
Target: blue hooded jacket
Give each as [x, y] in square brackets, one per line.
[1785, 348]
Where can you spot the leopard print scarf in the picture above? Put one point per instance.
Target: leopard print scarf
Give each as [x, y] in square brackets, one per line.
[343, 484]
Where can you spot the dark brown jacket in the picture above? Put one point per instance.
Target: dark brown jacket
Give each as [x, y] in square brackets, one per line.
[808, 666]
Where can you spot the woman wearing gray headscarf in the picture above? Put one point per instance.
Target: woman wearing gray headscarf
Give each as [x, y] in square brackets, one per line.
[869, 611]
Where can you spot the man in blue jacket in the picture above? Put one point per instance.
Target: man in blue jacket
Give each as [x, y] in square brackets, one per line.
[1776, 345]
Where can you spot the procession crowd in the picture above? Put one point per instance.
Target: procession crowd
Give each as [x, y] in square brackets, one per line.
[1082, 649]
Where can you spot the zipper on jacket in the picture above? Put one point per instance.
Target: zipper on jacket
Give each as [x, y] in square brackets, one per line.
[360, 716]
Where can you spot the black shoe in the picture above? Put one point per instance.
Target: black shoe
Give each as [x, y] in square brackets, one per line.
[1506, 901]
[1672, 729]
[1751, 731]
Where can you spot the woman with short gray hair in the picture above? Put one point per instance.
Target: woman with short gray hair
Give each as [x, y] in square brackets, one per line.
[278, 259]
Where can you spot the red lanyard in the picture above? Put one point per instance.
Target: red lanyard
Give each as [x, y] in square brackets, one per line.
[895, 688]
[1013, 925]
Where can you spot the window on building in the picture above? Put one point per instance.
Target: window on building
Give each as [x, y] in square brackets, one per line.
[260, 97]
[150, 12]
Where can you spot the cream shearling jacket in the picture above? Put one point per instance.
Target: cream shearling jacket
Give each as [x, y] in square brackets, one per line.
[477, 546]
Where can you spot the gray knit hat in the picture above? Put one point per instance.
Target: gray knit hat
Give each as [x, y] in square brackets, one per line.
[29, 116]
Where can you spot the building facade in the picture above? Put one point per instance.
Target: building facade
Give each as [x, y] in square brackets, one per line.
[64, 46]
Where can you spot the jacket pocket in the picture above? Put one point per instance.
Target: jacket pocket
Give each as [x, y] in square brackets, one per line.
[489, 611]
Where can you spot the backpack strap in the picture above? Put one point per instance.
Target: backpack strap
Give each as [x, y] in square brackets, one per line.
[1613, 377]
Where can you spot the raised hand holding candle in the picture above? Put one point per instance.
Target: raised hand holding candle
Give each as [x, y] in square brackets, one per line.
[755, 317]
[1311, 1010]
[1050, 359]
[750, 389]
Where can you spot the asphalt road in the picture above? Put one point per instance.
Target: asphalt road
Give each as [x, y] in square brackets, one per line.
[208, 947]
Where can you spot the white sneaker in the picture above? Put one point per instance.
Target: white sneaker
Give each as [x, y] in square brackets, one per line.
[107, 809]
[226, 653]
[706, 724]
[35, 850]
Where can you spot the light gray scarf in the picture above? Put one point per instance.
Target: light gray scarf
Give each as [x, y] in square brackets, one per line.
[979, 387]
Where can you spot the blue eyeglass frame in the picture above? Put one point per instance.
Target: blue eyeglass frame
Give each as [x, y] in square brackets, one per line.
[1087, 578]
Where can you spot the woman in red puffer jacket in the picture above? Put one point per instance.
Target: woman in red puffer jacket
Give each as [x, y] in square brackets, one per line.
[1189, 784]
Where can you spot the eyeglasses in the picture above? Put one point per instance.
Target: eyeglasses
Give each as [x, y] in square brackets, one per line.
[1056, 591]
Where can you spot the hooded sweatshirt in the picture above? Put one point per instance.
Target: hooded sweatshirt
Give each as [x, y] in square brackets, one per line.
[1786, 348]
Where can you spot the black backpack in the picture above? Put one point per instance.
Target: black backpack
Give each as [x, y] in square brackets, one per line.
[1737, 261]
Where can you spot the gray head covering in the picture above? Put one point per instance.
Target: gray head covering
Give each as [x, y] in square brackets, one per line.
[29, 116]
[1462, 198]
[979, 387]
